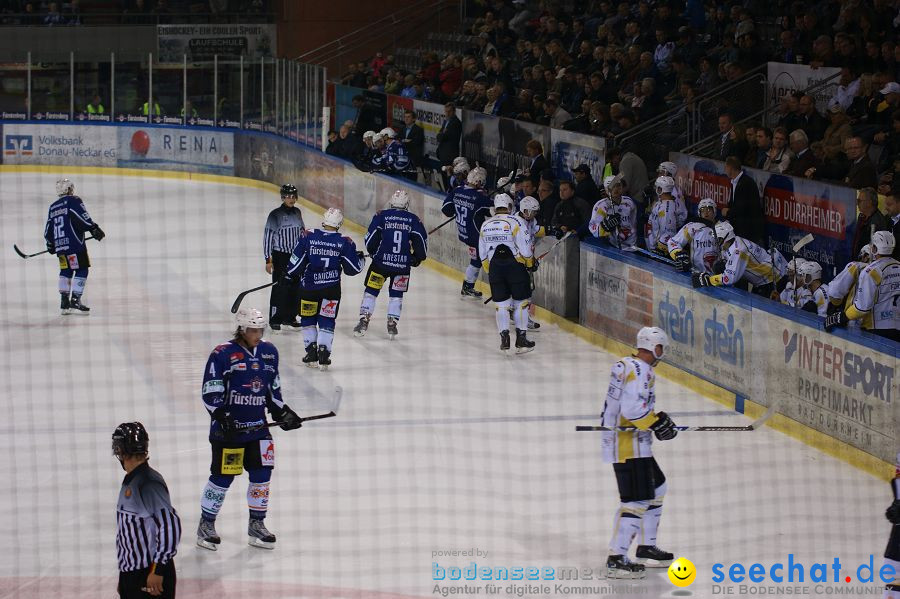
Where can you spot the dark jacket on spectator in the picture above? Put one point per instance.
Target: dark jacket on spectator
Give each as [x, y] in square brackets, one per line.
[587, 190]
[861, 174]
[800, 164]
[895, 229]
[448, 140]
[571, 214]
[745, 211]
[416, 144]
[548, 208]
[862, 234]
[814, 126]
[537, 166]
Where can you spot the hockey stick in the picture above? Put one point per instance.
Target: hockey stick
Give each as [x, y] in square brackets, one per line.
[651, 255]
[338, 394]
[26, 256]
[243, 294]
[442, 224]
[756, 424]
[541, 257]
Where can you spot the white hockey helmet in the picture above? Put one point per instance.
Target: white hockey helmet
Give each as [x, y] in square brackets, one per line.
[649, 337]
[884, 243]
[250, 318]
[529, 204]
[706, 203]
[368, 135]
[388, 133]
[867, 252]
[667, 168]
[809, 271]
[333, 218]
[64, 187]
[611, 181]
[461, 166]
[724, 231]
[664, 184]
[378, 138]
[796, 264]
[400, 200]
[476, 177]
[502, 200]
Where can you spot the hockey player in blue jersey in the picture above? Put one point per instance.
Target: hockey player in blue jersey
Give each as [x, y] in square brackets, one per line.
[396, 159]
[397, 242]
[317, 261]
[471, 206]
[239, 383]
[67, 222]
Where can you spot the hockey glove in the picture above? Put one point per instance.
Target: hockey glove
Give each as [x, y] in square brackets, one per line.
[534, 266]
[838, 319]
[893, 512]
[288, 418]
[98, 233]
[51, 249]
[700, 279]
[683, 261]
[415, 261]
[226, 421]
[287, 280]
[810, 306]
[361, 255]
[664, 428]
[556, 232]
[611, 223]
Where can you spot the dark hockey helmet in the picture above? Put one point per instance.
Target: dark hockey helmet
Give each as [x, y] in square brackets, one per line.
[130, 438]
[288, 191]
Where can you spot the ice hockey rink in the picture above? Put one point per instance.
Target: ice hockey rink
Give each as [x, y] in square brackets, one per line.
[441, 443]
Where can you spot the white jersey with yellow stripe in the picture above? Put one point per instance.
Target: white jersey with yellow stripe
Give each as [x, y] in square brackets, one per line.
[746, 260]
[795, 298]
[704, 247]
[844, 284]
[663, 223]
[877, 295]
[630, 399]
[626, 234]
[681, 212]
[820, 298]
[505, 229]
[534, 230]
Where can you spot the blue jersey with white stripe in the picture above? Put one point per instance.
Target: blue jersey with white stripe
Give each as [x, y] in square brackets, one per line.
[67, 222]
[394, 236]
[319, 258]
[471, 207]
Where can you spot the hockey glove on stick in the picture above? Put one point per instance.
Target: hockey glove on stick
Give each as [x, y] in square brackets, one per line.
[611, 223]
[98, 233]
[700, 279]
[534, 266]
[893, 512]
[838, 319]
[664, 428]
[226, 421]
[51, 249]
[683, 261]
[288, 418]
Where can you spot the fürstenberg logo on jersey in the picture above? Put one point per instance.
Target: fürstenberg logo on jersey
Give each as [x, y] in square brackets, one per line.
[797, 578]
[477, 579]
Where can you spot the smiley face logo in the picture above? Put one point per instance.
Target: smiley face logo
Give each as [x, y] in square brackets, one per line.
[682, 572]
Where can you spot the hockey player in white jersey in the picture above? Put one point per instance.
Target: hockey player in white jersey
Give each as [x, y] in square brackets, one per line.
[892, 552]
[670, 169]
[809, 275]
[699, 237]
[504, 247]
[842, 288]
[744, 261]
[877, 293]
[614, 218]
[527, 216]
[630, 401]
[794, 293]
[661, 221]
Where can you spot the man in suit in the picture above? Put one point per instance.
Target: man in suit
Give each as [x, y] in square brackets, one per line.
[744, 210]
[804, 164]
[535, 152]
[726, 144]
[810, 120]
[892, 208]
[585, 188]
[862, 169]
[413, 139]
[869, 219]
[448, 140]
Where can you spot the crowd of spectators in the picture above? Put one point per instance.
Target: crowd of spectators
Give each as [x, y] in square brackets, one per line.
[127, 12]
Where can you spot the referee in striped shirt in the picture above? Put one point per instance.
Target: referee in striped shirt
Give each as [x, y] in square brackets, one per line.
[283, 229]
[148, 527]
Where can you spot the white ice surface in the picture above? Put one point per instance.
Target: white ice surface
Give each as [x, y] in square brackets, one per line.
[441, 443]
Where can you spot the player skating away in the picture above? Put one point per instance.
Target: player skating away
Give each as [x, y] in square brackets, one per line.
[630, 401]
[470, 205]
[283, 228]
[892, 552]
[317, 261]
[396, 241]
[877, 293]
[661, 221]
[67, 222]
[527, 216]
[744, 260]
[505, 250]
[239, 383]
[700, 238]
[614, 218]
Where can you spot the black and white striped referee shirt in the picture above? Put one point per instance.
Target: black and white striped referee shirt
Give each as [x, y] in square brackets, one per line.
[148, 526]
[282, 232]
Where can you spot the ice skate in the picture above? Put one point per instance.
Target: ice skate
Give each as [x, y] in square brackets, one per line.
[391, 328]
[292, 325]
[64, 306]
[207, 536]
[324, 358]
[619, 566]
[76, 307]
[523, 345]
[362, 326]
[260, 535]
[653, 557]
[504, 342]
[533, 326]
[311, 358]
[468, 290]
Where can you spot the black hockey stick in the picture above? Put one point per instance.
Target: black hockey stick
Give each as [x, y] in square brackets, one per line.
[756, 424]
[26, 256]
[541, 257]
[243, 294]
[651, 255]
[442, 224]
[338, 395]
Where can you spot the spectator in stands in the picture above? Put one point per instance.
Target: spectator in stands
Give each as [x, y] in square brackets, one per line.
[709, 77]
[779, 156]
[862, 170]
[869, 219]
[572, 212]
[810, 120]
[892, 211]
[585, 187]
[535, 152]
[95, 106]
[334, 144]
[763, 145]
[412, 136]
[726, 139]
[744, 210]
[785, 51]
[450, 76]
[546, 195]
[788, 109]
[409, 87]
[73, 13]
[822, 52]
[848, 88]
[448, 139]
[53, 16]
[836, 133]
[557, 115]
